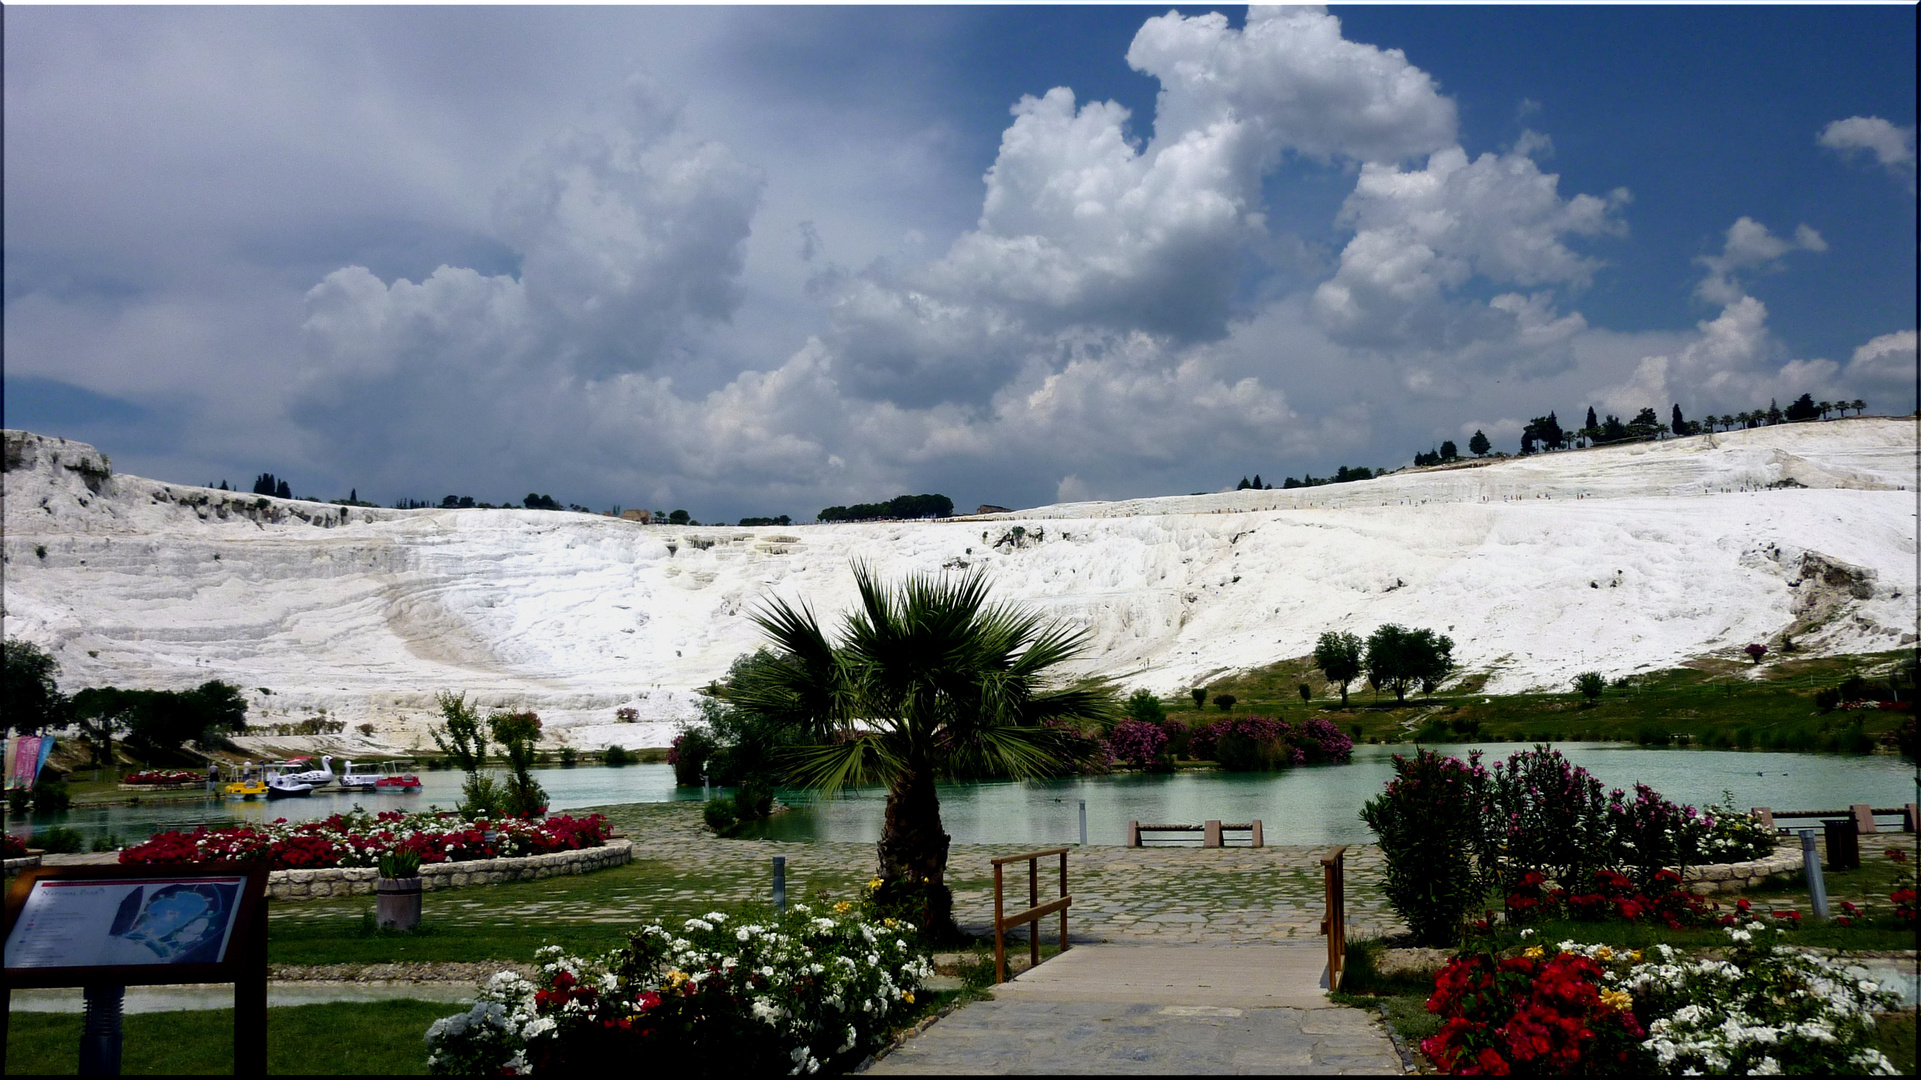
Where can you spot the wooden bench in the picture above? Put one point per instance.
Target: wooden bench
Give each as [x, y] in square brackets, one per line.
[1212, 832]
[1860, 813]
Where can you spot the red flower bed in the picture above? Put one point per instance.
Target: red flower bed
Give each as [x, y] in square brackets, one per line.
[1536, 1014]
[1609, 895]
[162, 776]
[11, 846]
[359, 840]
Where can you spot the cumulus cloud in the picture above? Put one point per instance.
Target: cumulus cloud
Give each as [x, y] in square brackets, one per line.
[1749, 246]
[1087, 229]
[1887, 365]
[1892, 146]
[1421, 235]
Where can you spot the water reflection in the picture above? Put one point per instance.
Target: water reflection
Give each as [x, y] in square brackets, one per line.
[1311, 805]
[567, 789]
[1322, 804]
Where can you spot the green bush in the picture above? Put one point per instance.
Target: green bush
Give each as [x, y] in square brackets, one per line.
[106, 843]
[1744, 737]
[617, 756]
[1651, 735]
[51, 796]
[1548, 815]
[1429, 824]
[60, 840]
[719, 814]
[482, 796]
[568, 757]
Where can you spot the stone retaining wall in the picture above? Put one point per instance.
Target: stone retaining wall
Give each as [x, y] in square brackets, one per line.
[1732, 877]
[314, 884]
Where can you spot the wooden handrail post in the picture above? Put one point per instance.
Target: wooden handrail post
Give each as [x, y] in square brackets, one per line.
[1063, 947]
[1334, 876]
[1000, 943]
[1033, 901]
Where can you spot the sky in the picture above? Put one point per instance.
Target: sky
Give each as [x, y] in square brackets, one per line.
[760, 261]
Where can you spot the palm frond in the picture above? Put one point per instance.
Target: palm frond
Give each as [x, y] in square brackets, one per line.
[829, 767]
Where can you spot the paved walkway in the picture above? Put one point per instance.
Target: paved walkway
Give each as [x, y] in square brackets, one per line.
[1141, 1009]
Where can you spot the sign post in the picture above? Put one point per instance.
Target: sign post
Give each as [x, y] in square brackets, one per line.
[104, 928]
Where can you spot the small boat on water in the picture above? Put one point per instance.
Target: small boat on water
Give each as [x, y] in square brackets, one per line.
[320, 777]
[246, 784]
[282, 785]
[361, 779]
[397, 779]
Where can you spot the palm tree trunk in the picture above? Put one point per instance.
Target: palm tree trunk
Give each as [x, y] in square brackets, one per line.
[913, 849]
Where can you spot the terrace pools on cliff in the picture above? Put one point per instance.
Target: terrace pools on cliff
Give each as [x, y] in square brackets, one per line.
[1310, 805]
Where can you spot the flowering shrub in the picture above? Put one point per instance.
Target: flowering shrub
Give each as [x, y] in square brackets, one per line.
[795, 994]
[1759, 1009]
[1903, 900]
[1731, 835]
[1651, 832]
[1137, 742]
[1427, 820]
[1250, 743]
[1592, 1008]
[1530, 1013]
[1544, 814]
[356, 840]
[162, 776]
[12, 847]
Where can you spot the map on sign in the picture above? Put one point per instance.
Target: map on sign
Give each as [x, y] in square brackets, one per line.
[81, 923]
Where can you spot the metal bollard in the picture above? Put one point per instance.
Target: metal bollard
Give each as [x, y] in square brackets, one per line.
[1083, 822]
[780, 883]
[100, 1031]
[1811, 865]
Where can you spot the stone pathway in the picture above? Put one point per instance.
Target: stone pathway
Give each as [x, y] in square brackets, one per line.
[1155, 1009]
[1168, 895]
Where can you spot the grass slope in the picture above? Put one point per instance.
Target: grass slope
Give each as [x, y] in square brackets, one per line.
[1710, 702]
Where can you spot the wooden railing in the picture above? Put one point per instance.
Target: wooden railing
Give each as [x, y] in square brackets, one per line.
[1334, 876]
[1035, 912]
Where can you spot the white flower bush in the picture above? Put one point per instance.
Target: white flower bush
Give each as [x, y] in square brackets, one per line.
[1760, 1009]
[794, 994]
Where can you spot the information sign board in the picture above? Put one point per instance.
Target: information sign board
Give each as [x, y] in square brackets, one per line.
[111, 923]
[107, 927]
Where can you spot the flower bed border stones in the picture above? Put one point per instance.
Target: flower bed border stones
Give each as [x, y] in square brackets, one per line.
[1732, 877]
[296, 885]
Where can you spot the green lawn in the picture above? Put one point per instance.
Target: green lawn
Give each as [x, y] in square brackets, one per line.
[359, 1039]
[1714, 703]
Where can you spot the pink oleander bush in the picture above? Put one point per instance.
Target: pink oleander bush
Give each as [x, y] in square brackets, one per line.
[1255, 743]
[359, 840]
[1137, 742]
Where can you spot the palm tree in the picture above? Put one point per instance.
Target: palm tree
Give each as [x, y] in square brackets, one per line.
[1709, 421]
[1858, 406]
[927, 680]
[1824, 408]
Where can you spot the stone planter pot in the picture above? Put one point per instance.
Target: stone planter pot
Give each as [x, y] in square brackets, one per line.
[397, 903]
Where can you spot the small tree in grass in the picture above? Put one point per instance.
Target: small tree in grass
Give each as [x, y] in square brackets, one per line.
[1756, 651]
[1199, 694]
[1590, 684]
[1339, 656]
[1145, 707]
[517, 733]
[1225, 702]
[1307, 694]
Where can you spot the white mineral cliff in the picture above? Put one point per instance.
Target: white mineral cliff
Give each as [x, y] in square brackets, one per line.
[1617, 560]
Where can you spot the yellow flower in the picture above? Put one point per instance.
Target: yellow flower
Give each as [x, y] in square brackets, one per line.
[1635, 956]
[908, 997]
[1534, 952]
[675, 978]
[1616, 999]
[843, 908]
[890, 923]
[874, 884]
[1604, 953]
